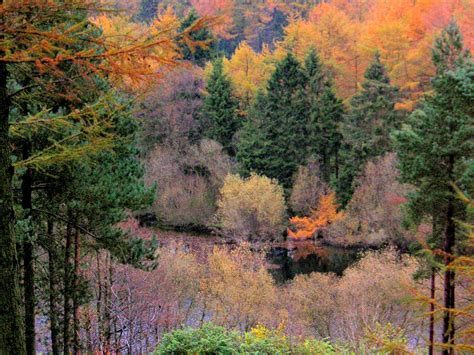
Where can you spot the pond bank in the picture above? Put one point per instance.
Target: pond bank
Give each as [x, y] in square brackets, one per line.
[286, 259]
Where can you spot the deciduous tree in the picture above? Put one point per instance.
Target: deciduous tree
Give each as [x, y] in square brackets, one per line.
[251, 207]
[323, 215]
[249, 72]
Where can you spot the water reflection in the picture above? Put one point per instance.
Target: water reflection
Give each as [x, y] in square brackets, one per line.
[292, 258]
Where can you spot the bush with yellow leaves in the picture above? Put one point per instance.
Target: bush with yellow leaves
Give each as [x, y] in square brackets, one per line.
[262, 340]
[251, 207]
[239, 292]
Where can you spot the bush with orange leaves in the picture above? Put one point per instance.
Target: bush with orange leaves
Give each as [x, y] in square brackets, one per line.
[323, 215]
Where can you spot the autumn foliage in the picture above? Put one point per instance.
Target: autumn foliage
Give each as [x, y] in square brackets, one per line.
[250, 207]
[323, 215]
[346, 34]
[107, 114]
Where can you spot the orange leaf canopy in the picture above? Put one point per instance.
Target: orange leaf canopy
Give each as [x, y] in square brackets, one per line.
[323, 215]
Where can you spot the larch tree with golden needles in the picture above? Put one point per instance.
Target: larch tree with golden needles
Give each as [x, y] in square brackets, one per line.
[52, 56]
[249, 72]
[323, 215]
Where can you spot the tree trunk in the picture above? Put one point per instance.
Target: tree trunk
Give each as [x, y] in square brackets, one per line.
[77, 259]
[99, 301]
[432, 310]
[67, 290]
[107, 303]
[449, 277]
[28, 260]
[53, 290]
[88, 330]
[12, 340]
[325, 169]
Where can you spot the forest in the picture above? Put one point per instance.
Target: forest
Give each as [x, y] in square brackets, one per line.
[236, 177]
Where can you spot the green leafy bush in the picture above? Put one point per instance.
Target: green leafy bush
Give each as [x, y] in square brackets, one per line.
[261, 340]
[314, 346]
[209, 339]
[213, 339]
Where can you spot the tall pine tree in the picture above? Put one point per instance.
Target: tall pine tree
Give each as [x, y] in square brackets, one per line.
[83, 202]
[280, 119]
[435, 149]
[366, 129]
[328, 137]
[325, 116]
[219, 109]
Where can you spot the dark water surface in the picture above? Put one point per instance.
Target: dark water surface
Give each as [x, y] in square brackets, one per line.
[290, 259]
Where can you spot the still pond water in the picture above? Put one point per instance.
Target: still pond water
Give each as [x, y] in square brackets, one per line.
[290, 259]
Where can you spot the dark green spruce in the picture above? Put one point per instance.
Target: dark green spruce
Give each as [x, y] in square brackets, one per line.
[280, 119]
[367, 127]
[325, 116]
[219, 110]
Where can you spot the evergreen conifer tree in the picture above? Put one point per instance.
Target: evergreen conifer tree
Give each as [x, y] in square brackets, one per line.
[372, 117]
[85, 200]
[316, 76]
[325, 116]
[367, 127]
[327, 138]
[281, 118]
[206, 43]
[219, 109]
[252, 139]
[435, 149]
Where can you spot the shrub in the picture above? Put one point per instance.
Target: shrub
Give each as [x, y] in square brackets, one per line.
[325, 305]
[386, 339]
[307, 188]
[261, 340]
[209, 339]
[365, 295]
[212, 339]
[374, 215]
[254, 206]
[155, 301]
[188, 181]
[314, 346]
[239, 290]
[312, 302]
